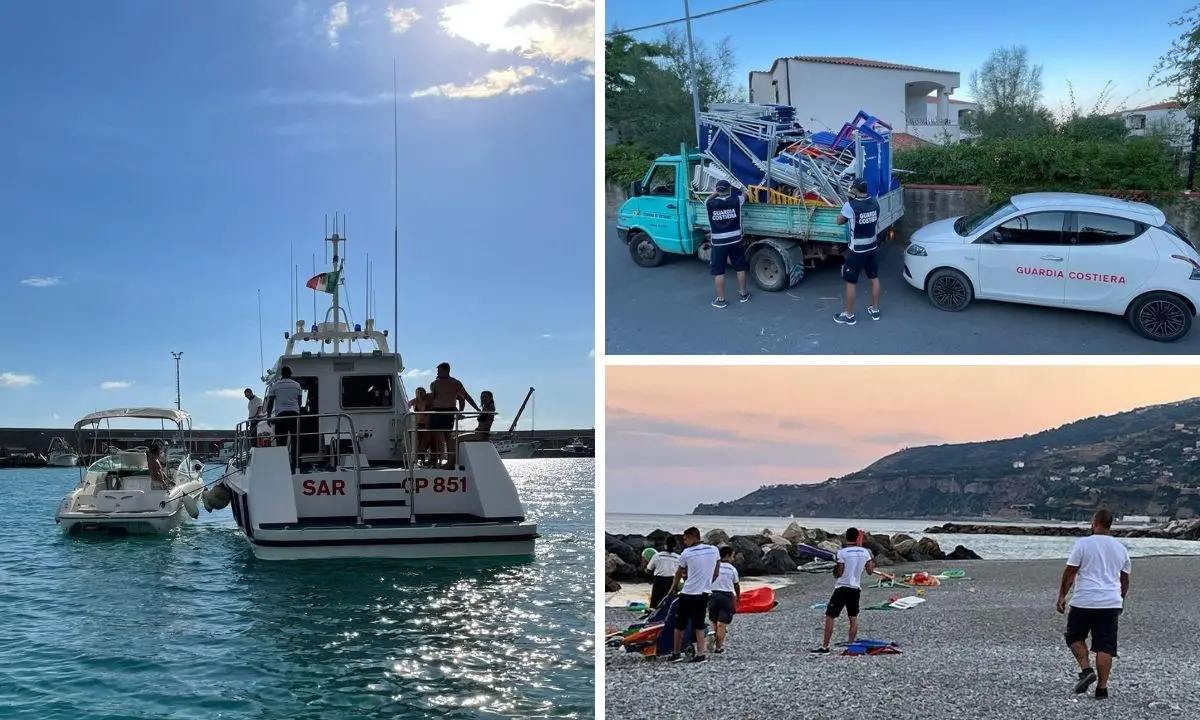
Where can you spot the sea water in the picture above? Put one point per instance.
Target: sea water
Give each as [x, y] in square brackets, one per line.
[193, 626]
[989, 547]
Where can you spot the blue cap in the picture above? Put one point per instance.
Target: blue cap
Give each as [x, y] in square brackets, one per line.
[722, 185]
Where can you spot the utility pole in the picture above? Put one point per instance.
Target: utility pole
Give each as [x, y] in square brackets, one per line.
[177, 355]
[687, 19]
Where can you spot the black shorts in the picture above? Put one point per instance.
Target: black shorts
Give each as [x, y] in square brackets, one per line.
[442, 420]
[843, 597]
[856, 262]
[721, 607]
[1101, 623]
[734, 254]
[691, 608]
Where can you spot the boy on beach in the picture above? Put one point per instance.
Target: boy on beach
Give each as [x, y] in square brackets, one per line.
[726, 592]
[698, 568]
[852, 560]
[1098, 567]
[663, 566]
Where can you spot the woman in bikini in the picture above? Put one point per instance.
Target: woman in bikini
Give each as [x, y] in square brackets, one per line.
[483, 430]
[419, 405]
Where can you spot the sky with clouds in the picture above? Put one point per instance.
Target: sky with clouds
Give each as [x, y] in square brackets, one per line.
[164, 158]
[1072, 39]
[678, 436]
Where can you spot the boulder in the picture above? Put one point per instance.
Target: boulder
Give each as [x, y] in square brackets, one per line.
[795, 534]
[616, 568]
[780, 540]
[616, 546]
[717, 537]
[660, 538]
[830, 545]
[904, 547]
[899, 538]
[884, 561]
[768, 532]
[777, 561]
[915, 556]
[637, 542]
[929, 547]
[747, 555]
[881, 540]
[611, 585]
[962, 553]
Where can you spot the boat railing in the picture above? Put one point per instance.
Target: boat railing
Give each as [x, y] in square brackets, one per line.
[321, 442]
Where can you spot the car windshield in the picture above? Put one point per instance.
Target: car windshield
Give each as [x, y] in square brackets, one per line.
[968, 224]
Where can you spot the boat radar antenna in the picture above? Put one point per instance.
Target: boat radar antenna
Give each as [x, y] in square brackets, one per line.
[336, 276]
[395, 210]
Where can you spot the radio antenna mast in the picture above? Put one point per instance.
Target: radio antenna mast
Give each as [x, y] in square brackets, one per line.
[395, 210]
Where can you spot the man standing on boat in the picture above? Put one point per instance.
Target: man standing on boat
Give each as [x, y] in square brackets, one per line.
[725, 237]
[450, 397]
[1099, 568]
[283, 404]
[254, 410]
[862, 212]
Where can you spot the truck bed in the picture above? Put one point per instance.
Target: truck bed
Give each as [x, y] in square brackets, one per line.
[798, 222]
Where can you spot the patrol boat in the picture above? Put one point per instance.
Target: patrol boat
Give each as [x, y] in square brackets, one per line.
[357, 489]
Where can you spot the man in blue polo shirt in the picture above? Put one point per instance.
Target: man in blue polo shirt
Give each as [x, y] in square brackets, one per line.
[862, 212]
[725, 235]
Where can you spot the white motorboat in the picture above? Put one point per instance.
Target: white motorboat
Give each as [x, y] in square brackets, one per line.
[355, 488]
[514, 449]
[577, 447]
[116, 494]
[60, 454]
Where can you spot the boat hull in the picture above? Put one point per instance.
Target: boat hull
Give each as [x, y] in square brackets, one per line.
[417, 542]
[523, 451]
[159, 523]
[62, 461]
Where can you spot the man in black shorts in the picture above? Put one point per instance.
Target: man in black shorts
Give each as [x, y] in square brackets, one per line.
[725, 236]
[698, 569]
[1099, 568]
[862, 212]
[852, 560]
[726, 592]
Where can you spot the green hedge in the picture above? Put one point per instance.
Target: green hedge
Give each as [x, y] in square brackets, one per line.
[1006, 167]
[625, 163]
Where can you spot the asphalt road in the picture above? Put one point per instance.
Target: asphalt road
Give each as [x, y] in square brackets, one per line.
[666, 311]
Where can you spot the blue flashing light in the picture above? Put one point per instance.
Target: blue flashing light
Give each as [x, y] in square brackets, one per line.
[314, 327]
[357, 327]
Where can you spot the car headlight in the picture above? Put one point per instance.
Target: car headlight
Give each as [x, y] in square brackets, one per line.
[915, 249]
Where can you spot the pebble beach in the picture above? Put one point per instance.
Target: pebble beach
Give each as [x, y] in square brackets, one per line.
[988, 646]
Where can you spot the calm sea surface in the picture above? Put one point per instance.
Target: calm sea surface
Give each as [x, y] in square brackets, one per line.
[192, 626]
[990, 547]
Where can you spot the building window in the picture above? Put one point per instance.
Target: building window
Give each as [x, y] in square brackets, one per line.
[1136, 122]
[366, 391]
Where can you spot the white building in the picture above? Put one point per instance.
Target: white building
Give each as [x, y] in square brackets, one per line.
[1166, 119]
[829, 91]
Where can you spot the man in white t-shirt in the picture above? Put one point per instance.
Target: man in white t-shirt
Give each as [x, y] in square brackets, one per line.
[283, 402]
[254, 410]
[852, 560]
[698, 569]
[1099, 568]
[726, 591]
[663, 566]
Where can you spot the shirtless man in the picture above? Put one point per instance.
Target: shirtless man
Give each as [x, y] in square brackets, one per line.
[449, 398]
[157, 467]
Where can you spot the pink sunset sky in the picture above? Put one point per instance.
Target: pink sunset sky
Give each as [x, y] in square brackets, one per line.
[678, 436]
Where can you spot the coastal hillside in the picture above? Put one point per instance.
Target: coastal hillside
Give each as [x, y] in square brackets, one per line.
[1142, 462]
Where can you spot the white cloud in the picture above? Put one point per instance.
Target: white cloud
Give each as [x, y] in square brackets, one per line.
[401, 19]
[417, 373]
[559, 31]
[337, 18]
[42, 282]
[54, 415]
[513, 81]
[9, 379]
[546, 336]
[115, 384]
[227, 393]
[592, 353]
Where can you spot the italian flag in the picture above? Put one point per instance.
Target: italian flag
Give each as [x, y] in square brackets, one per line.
[325, 282]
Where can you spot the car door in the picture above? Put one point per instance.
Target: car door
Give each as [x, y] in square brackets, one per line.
[660, 209]
[1024, 259]
[1110, 258]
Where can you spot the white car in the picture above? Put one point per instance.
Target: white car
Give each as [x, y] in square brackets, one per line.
[1084, 252]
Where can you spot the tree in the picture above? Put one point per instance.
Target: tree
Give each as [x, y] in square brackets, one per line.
[1180, 66]
[647, 88]
[1007, 81]
[1008, 89]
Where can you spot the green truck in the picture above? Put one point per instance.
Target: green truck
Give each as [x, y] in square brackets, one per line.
[664, 215]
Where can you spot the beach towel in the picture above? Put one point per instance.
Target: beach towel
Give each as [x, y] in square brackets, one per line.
[905, 603]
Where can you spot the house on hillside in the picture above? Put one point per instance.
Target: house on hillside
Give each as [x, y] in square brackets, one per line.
[829, 91]
[1166, 119]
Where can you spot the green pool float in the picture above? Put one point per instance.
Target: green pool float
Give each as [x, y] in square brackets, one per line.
[648, 553]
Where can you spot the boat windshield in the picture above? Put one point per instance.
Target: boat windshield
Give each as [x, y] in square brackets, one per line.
[967, 225]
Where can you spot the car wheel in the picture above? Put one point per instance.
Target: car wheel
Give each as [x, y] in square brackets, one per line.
[1160, 316]
[949, 290]
[643, 250]
[768, 270]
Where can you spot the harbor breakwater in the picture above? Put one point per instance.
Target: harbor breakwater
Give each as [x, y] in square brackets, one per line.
[1174, 530]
